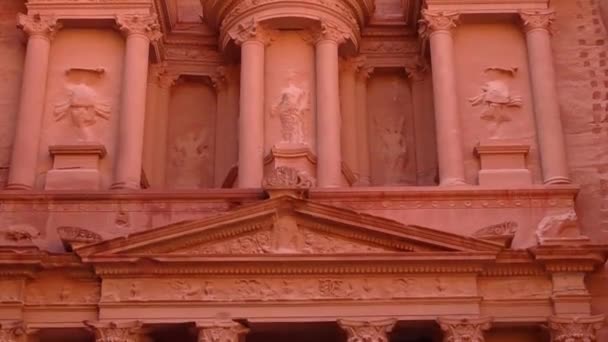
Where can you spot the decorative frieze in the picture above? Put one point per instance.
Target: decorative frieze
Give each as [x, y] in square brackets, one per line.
[367, 331]
[464, 329]
[38, 25]
[575, 329]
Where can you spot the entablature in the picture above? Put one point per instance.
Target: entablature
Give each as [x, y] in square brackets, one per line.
[486, 6]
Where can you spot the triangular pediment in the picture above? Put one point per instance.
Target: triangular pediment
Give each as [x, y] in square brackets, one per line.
[287, 225]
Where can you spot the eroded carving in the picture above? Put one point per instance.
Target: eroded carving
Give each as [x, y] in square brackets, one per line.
[146, 25]
[367, 331]
[292, 109]
[78, 235]
[190, 154]
[115, 332]
[20, 233]
[12, 331]
[558, 226]
[228, 331]
[496, 98]
[464, 330]
[575, 329]
[284, 177]
[503, 232]
[37, 25]
[83, 108]
[391, 132]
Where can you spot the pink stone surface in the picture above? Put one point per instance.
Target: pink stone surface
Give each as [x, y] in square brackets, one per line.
[266, 170]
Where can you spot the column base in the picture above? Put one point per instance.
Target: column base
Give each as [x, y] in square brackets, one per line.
[452, 182]
[125, 186]
[558, 180]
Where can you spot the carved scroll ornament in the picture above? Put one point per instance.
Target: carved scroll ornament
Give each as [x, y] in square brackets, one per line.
[37, 25]
[464, 330]
[367, 331]
[575, 329]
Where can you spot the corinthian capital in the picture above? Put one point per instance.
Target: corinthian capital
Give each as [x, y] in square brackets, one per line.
[434, 21]
[575, 329]
[364, 331]
[146, 25]
[228, 331]
[37, 25]
[330, 31]
[112, 331]
[249, 31]
[533, 20]
[12, 332]
[464, 329]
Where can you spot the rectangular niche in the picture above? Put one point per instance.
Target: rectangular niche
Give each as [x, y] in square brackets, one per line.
[391, 129]
[191, 135]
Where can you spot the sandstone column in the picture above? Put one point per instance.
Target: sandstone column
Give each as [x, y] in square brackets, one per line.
[140, 31]
[376, 331]
[24, 158]
[363, 127]
[329, 161]
[437, 27]
[459, 329]
[226, 122]
[228, 331]
[114, 331]
[252, 39]
[544, 90]
[157, 131]
[581, 328]
[348, 110]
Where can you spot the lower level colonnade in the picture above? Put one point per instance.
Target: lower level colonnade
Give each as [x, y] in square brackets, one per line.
[459, 329]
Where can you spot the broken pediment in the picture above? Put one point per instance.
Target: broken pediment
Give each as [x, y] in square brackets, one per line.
[287, 225]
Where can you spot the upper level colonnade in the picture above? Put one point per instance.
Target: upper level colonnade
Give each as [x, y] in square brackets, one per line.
[328, 90]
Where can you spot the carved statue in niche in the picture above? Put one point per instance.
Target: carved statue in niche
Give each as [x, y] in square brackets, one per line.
[496, 98]
[83, 109]
[190, 155]
[292, 110]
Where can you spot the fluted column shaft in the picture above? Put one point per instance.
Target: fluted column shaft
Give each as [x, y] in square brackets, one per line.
[251, 111]
[437, 27]
[140, 31]
[24, 158]
[348, 110]
[546, 102]
[329, 160]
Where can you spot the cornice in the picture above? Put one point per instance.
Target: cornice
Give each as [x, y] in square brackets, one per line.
[486, 6]
[86, 9]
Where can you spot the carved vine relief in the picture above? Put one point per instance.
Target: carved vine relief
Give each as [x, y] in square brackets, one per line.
[497, 100]
[83, 108]
[287, 288]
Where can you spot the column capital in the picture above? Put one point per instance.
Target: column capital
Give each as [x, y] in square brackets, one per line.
[222, 331]
[329, 31]
[13, 331]
[37, 25]
[160, 75]
[113, 331]
[146, 25]
[575, 329]
[416, 71]
[437, 21]
[251, 31]
[464, 329]
[537, 20]
[376, 331]
[221, 78]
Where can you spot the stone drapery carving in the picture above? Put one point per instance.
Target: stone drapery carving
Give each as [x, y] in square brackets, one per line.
[533, 20]
[575, 329]
[12, 331]
[140, 24]
[288, 178]
[394, 148]
[464, 329]
[37, 25]
[433, 21]
[115, 332]
[228, 331]
[367, 331]
[83, 107]
[292, 109]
